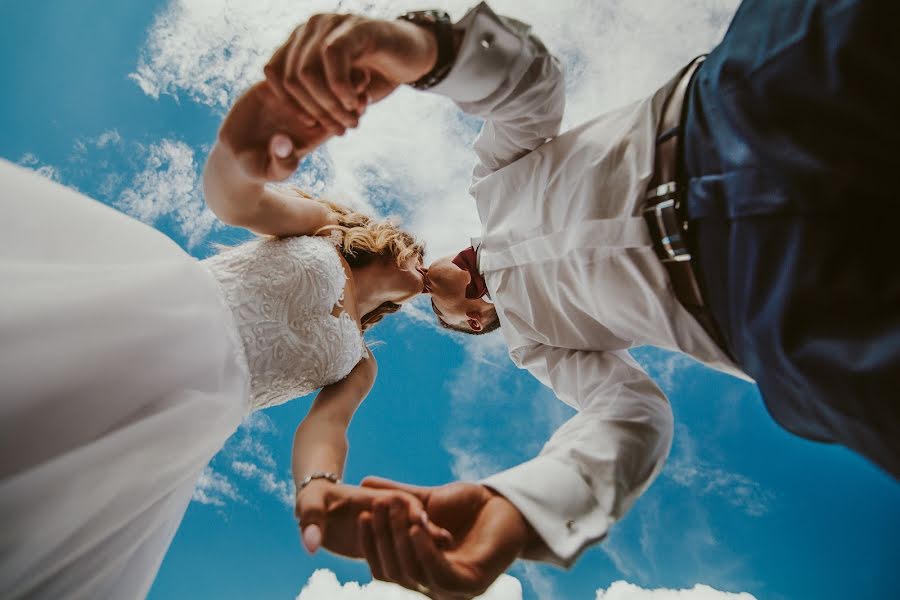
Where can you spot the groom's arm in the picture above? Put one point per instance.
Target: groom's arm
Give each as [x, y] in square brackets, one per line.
[552, 507]
[599, 462]
[503, 74]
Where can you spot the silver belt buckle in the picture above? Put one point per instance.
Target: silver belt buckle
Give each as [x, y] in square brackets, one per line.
[665, 215]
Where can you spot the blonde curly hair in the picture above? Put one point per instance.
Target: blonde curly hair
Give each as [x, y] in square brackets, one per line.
[362, 239]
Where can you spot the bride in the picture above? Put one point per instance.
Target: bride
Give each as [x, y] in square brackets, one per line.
[125, 364]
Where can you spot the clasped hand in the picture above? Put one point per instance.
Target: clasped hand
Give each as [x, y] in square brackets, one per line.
[448, 542]
[318, 84]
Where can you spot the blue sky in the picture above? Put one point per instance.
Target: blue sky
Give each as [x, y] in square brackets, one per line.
[122, 101]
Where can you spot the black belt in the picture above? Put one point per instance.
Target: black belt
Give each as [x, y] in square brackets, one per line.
[664, 211]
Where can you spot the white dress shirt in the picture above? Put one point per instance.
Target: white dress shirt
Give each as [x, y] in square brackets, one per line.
[569, 265]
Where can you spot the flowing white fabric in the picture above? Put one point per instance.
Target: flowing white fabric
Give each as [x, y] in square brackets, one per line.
[118, 382]
[122, 373]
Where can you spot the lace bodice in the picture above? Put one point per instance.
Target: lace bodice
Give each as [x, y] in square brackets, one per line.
[283, 295]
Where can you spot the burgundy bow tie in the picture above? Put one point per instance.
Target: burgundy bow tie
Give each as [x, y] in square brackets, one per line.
[467, 261]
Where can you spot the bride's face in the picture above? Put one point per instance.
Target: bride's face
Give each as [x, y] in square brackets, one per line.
[408, 280]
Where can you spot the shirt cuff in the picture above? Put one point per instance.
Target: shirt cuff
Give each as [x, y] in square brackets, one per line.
[557, 503]
[493, 50]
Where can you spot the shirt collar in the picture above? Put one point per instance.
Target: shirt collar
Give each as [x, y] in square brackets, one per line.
[476, 243]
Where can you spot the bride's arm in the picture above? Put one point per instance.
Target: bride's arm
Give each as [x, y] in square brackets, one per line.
[242, 162]
[282, 110]
[320, 446]
[329, 513]
[320, 443]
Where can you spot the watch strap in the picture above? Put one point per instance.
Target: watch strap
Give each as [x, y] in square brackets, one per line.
[439, 22]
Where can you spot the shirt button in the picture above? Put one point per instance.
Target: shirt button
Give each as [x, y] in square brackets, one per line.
[570, 525]
[487, 41]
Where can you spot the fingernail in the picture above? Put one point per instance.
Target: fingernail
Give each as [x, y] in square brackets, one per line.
[424, 519]
[312, 538]
[282, 146]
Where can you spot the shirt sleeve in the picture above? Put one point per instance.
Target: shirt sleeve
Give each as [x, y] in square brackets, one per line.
[599, 462]
[506, 76]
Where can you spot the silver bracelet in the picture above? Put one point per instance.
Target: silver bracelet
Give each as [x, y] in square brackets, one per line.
[318, 475]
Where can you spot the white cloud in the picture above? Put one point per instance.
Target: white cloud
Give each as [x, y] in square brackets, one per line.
[685, 468]
[160, 181]
[110, 140]
[621, 590]
[667, 368]
[671, 532]
[467, 440]
[252, 459]
[324, 585]
[247, 457]
[49, 171]
[169, 186]
[538, 578]
[501, 421]
[619, 549]
[34, 163]
[257, 449]
[412, 151]
[214, 488]
[107, 138]
[208, 50]
[250, 443]
[268, 481]
[28, 160]
[471, 464]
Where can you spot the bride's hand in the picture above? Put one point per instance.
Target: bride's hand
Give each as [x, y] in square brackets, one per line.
[266, 137]
[334, 65]
[329, 515]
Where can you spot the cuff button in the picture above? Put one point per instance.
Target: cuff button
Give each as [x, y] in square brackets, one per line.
[570, 526]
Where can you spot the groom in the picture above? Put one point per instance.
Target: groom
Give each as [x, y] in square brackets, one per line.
[712, 218]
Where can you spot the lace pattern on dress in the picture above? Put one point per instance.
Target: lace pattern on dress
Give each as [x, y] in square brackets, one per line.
[282, 294]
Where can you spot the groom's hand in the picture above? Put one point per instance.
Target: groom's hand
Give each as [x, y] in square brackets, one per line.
[334, 65]
[489, 534]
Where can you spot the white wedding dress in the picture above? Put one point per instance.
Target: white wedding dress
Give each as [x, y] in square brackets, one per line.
[125, 364]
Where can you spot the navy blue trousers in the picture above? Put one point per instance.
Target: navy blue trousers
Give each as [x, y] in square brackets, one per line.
[791, 154]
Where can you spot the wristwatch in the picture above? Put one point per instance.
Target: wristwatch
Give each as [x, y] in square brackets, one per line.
[438, 22]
